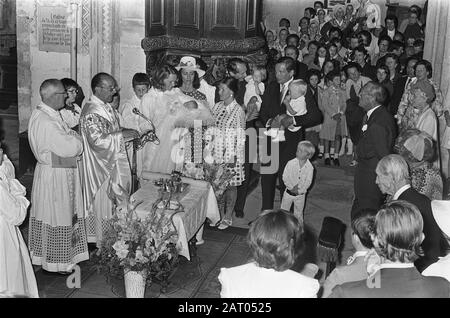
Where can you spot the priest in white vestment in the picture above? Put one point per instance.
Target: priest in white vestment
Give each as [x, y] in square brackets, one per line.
[57, 236]
[16, 272]
[106, 174]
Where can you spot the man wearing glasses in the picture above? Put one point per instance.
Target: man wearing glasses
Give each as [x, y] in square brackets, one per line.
[57, 208]
[105, 172]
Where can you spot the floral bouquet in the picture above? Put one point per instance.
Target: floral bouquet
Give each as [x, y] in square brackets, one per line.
[132, 244]
[219, 176]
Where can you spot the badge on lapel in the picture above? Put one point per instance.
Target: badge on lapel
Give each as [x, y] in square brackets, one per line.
[364, 127]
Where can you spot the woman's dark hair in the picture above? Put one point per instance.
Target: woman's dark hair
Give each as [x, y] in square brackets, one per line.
[395, 58]
[415, 9]
[68, 82]
[335, 29]
[392, 18]
[292, 47]
[332, 75]
[311, 72]
[361, 49]
[363, 226]
[231, 83]
[395, 45]
[366, 34]
[202, 64]
[352, 65]
[140, 79]
[316, 43]
[385, 38]
[233, 63]
[334, 41]
[312, 11]
[427, 65]
[304, 18]
[386, 69]
[284, 20]
[160, 74]
[276, 239]
[325, 63]
[318, 2]
[195, 81]
[327, 56]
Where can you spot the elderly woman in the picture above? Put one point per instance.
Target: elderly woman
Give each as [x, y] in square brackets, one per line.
[275, 240]
[229, 142]
[406, 116]
[417, 148]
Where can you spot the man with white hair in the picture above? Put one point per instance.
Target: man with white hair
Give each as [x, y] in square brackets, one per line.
[57, 238]
[397, 240]
[376, 141]
[393, 179]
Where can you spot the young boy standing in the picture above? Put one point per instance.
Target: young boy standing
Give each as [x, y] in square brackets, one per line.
[141, 85]
[297, 177]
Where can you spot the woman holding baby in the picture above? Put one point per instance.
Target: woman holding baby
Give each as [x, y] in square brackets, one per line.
[162, 104]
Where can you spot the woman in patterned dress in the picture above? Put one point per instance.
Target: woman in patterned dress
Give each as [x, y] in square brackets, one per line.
[406, 117]
[229, 142]
[417, 148]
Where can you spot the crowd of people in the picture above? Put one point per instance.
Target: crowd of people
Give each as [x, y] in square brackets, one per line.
[342, 84]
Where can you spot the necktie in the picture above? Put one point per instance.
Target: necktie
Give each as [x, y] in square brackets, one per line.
[365, 119]
[407, 82]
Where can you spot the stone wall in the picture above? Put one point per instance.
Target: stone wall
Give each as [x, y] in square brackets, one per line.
[109, 40]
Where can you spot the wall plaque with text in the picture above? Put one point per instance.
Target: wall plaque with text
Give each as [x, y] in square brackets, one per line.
[53, 29]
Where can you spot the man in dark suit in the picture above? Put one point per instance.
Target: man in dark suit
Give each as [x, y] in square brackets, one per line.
[273, 110]
[398, 228]
[390, 29]
[401, 84]
[393, 179]
[376, 141]
[367, 70]
[300, 68]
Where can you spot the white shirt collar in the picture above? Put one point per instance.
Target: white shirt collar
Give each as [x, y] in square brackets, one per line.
[391, 33]
[360, 253]
[287, 83]
[400, 191]
[97, 100]
[369, 112]
[396, 265]
[50, 110]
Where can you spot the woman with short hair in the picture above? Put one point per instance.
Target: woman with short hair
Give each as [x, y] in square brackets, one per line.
[276, 240]
[71, 111]
[229, 143]
[417, 148]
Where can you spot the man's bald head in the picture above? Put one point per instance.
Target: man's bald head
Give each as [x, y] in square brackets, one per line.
[104, 86]
[53, 93]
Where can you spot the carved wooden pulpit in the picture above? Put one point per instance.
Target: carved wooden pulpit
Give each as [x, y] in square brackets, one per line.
[214, 30]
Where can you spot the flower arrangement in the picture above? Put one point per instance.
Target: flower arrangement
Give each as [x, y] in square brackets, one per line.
[219, 176]
[132, 244]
